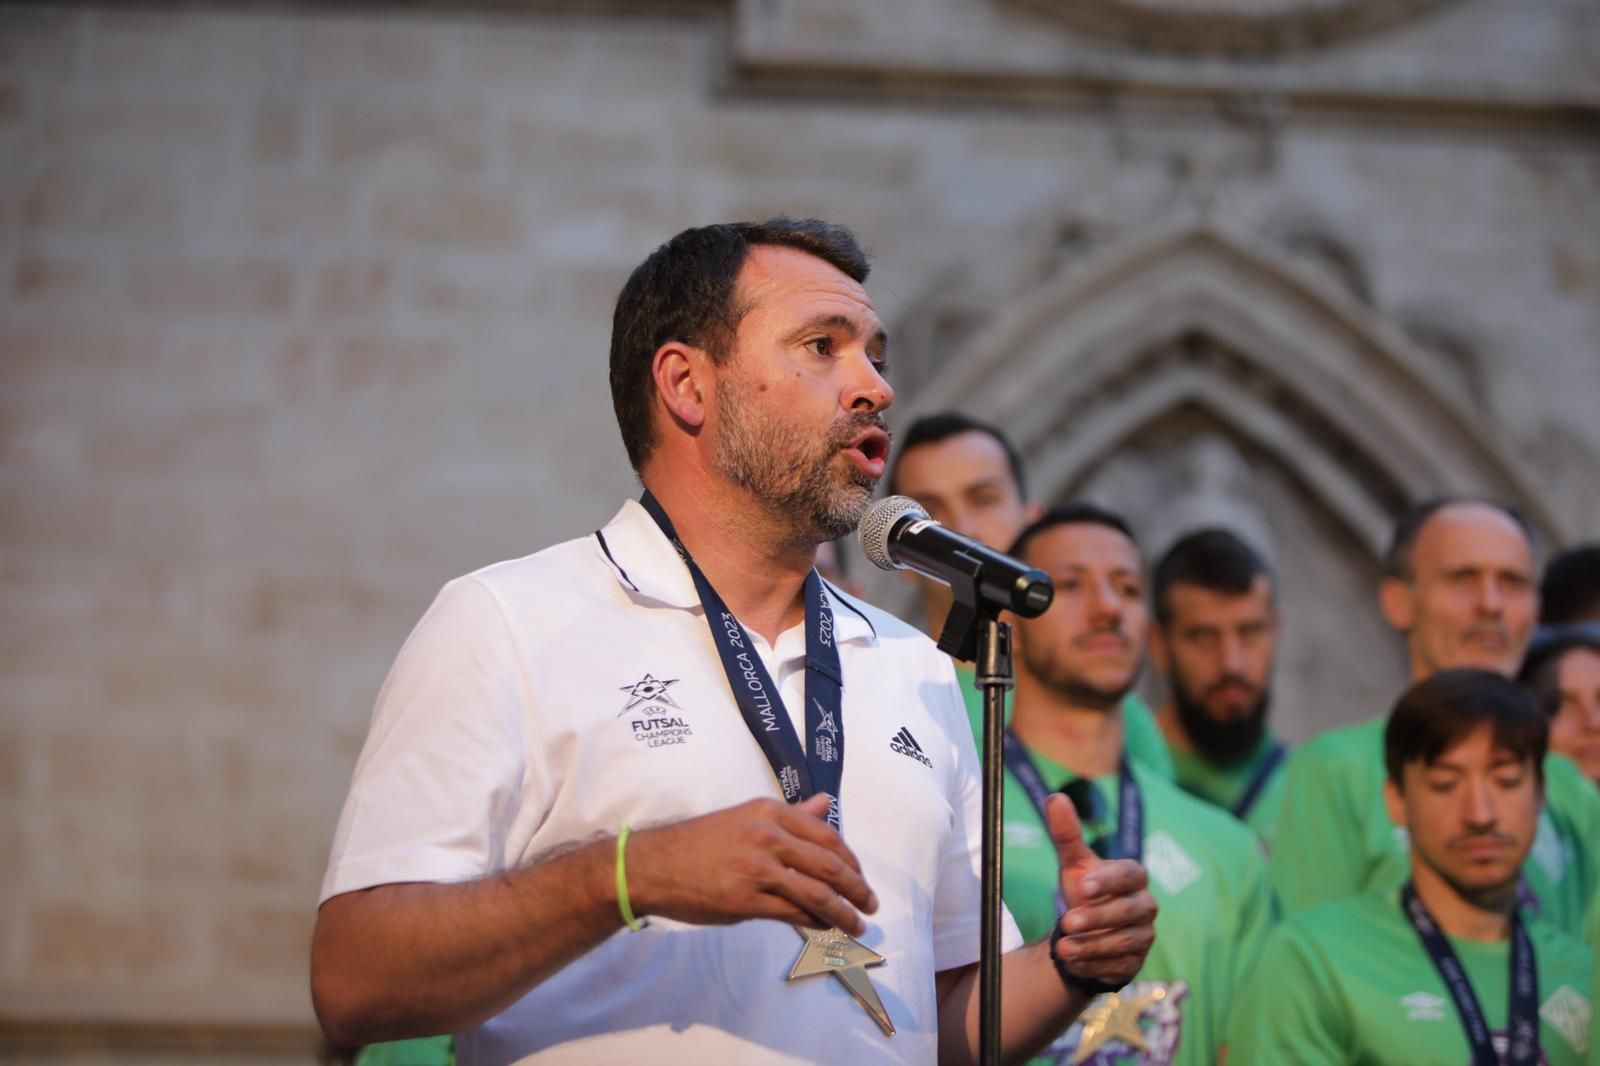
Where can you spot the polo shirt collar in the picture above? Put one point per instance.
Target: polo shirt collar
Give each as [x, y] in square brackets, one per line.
[645, 563]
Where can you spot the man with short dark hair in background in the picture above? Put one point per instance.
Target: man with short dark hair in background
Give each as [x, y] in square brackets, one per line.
[1214, 639]
[1459, 587]
[968, 476]
[1447, 968]
[1075, 664]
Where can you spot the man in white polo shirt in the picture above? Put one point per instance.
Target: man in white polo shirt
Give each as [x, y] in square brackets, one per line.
[676, 718]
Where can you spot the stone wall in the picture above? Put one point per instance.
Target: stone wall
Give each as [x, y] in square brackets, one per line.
[305, 311]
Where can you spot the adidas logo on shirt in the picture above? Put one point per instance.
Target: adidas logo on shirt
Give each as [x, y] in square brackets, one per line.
[906, 744]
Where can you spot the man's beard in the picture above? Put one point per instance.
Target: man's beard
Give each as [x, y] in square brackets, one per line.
[1223, 743]
[1044, 664]
[1483, 896]
[773, 462]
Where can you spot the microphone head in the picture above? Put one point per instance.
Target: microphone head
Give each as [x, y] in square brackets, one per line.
[879, 522]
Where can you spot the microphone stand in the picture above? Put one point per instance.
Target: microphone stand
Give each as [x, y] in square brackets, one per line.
[974, 633]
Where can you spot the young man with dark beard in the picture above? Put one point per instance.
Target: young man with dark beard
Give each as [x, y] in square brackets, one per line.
[1074, 665]
[1213, 639]
[651, 721]
[1459, 587]
[1446, 968]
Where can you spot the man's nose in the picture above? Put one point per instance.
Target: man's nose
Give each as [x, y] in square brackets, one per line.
[1108, 602]
[1480, 807]
[1491, 600]
[1233, 659]
[869, 390]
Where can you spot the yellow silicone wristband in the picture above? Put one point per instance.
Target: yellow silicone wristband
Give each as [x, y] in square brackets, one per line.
[622, 880]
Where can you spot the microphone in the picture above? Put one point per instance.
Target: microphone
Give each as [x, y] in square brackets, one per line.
[897, 534]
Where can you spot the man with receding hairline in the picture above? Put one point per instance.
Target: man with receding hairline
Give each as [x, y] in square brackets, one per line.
[1459, 588]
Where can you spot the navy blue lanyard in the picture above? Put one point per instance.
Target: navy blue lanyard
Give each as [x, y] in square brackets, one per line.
[1258, 780]
[1130, 806]
[1522, 1017]
[801, 773]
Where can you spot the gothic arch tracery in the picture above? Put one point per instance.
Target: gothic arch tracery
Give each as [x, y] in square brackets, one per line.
[1195, 316]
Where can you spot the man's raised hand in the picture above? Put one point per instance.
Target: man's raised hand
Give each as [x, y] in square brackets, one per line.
[1109, 923]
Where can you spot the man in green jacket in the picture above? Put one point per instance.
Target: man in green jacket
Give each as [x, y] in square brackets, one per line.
[1214, 639]
[1075, 664]
[1446, 968]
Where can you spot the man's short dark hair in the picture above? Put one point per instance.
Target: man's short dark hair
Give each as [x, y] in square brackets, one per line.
[1437, 713]
[1071, 514]
[931, 429]
[1570, 590]
[1398, 560]
[685, 292]
[1214, 559]
[1541, 667]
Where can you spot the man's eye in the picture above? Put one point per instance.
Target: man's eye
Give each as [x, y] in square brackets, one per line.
[821, 345]
[1441, 787]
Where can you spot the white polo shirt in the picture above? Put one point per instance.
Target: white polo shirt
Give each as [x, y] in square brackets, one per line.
[545, 700]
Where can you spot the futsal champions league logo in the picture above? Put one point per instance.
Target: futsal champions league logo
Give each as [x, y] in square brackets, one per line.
[1138, 1026]
[650, 703]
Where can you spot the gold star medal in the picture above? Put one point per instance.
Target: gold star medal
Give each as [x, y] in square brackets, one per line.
[831, 951]
[1115, 1017]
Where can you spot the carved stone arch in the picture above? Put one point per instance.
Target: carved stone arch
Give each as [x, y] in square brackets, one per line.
[1231, 384]
[1193, 315]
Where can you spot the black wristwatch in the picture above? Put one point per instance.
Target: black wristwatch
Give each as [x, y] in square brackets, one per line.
[1088, 986]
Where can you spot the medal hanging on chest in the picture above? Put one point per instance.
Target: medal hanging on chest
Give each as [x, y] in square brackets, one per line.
[801, 772]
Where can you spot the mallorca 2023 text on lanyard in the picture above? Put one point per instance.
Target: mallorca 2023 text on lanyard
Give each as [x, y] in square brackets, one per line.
[1129, 840]
[1522, 1016]
[801, 772]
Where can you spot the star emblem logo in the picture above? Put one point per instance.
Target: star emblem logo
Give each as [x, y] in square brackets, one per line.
[1115, 1016]
[831, 951]
[649, 690]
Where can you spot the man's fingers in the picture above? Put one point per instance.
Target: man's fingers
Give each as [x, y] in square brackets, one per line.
[1137, 908]
[826, 866]
[1065, 830]
[821, 901]
[1116, 877]
[816, 805]
[808, 821]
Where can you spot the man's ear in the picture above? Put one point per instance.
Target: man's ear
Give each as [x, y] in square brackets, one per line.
[682, 380]
[1397, 603]
[1032, 511]
[1395, 804]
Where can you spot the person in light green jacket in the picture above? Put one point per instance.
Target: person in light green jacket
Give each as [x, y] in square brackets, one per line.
[1447, 968]
[1075, 664]
[969, 477]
